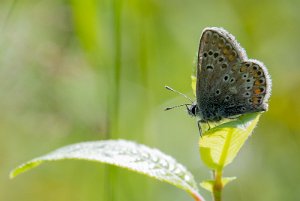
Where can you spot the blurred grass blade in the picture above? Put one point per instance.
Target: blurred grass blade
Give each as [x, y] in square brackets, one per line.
[220, 145]
[208, 184]
[126, 154]
[86, 22]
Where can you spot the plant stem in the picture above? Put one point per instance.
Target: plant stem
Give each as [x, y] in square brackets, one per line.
[197, 197]
[218, 186]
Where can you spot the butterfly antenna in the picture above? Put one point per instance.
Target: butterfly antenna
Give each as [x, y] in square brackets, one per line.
[169, 108]
[170, 89]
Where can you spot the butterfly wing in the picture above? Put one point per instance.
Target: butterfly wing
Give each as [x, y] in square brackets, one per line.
[228, 84]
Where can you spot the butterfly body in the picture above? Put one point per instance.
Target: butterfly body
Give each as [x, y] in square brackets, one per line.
[228, 83]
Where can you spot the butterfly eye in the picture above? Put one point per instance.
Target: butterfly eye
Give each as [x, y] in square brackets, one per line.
[254, 67]
[221, 59]
[243, 109]
[232, 80]
[193, 110]
[210, 53]
[218, 92]
[245, 76]
[204, 54]
[216, 54]
[247, 65]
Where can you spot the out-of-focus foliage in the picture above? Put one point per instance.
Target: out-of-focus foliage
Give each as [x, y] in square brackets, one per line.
[72, 72]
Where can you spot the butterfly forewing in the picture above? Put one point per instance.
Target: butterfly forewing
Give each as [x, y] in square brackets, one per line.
[228, 84]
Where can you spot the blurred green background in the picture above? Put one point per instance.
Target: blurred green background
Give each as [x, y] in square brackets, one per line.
[73, 71]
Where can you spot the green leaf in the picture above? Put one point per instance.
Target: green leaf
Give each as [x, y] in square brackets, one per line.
[220, 144]
[208, 184]
[126, 154]
[226, 180]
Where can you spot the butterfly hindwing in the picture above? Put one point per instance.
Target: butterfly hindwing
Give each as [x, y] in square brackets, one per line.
[252, 85]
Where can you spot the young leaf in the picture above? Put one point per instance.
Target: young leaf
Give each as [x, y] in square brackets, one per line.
[208, 184]
[220, 145]
[126, 154]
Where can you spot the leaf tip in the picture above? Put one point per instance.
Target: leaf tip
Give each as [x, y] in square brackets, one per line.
[23, 168]
[12, 174]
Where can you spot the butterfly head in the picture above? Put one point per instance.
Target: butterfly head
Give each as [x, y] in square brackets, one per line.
[192, 109]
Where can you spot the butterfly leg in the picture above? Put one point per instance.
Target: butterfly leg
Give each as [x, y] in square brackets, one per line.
[199, 127]
[208, 125]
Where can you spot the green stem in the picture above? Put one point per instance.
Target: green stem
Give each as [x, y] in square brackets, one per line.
[218, 186]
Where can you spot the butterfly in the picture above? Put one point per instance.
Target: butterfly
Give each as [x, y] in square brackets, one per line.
[228, 84]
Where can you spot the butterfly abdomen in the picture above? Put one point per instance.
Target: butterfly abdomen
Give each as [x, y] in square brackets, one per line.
[211, 111]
